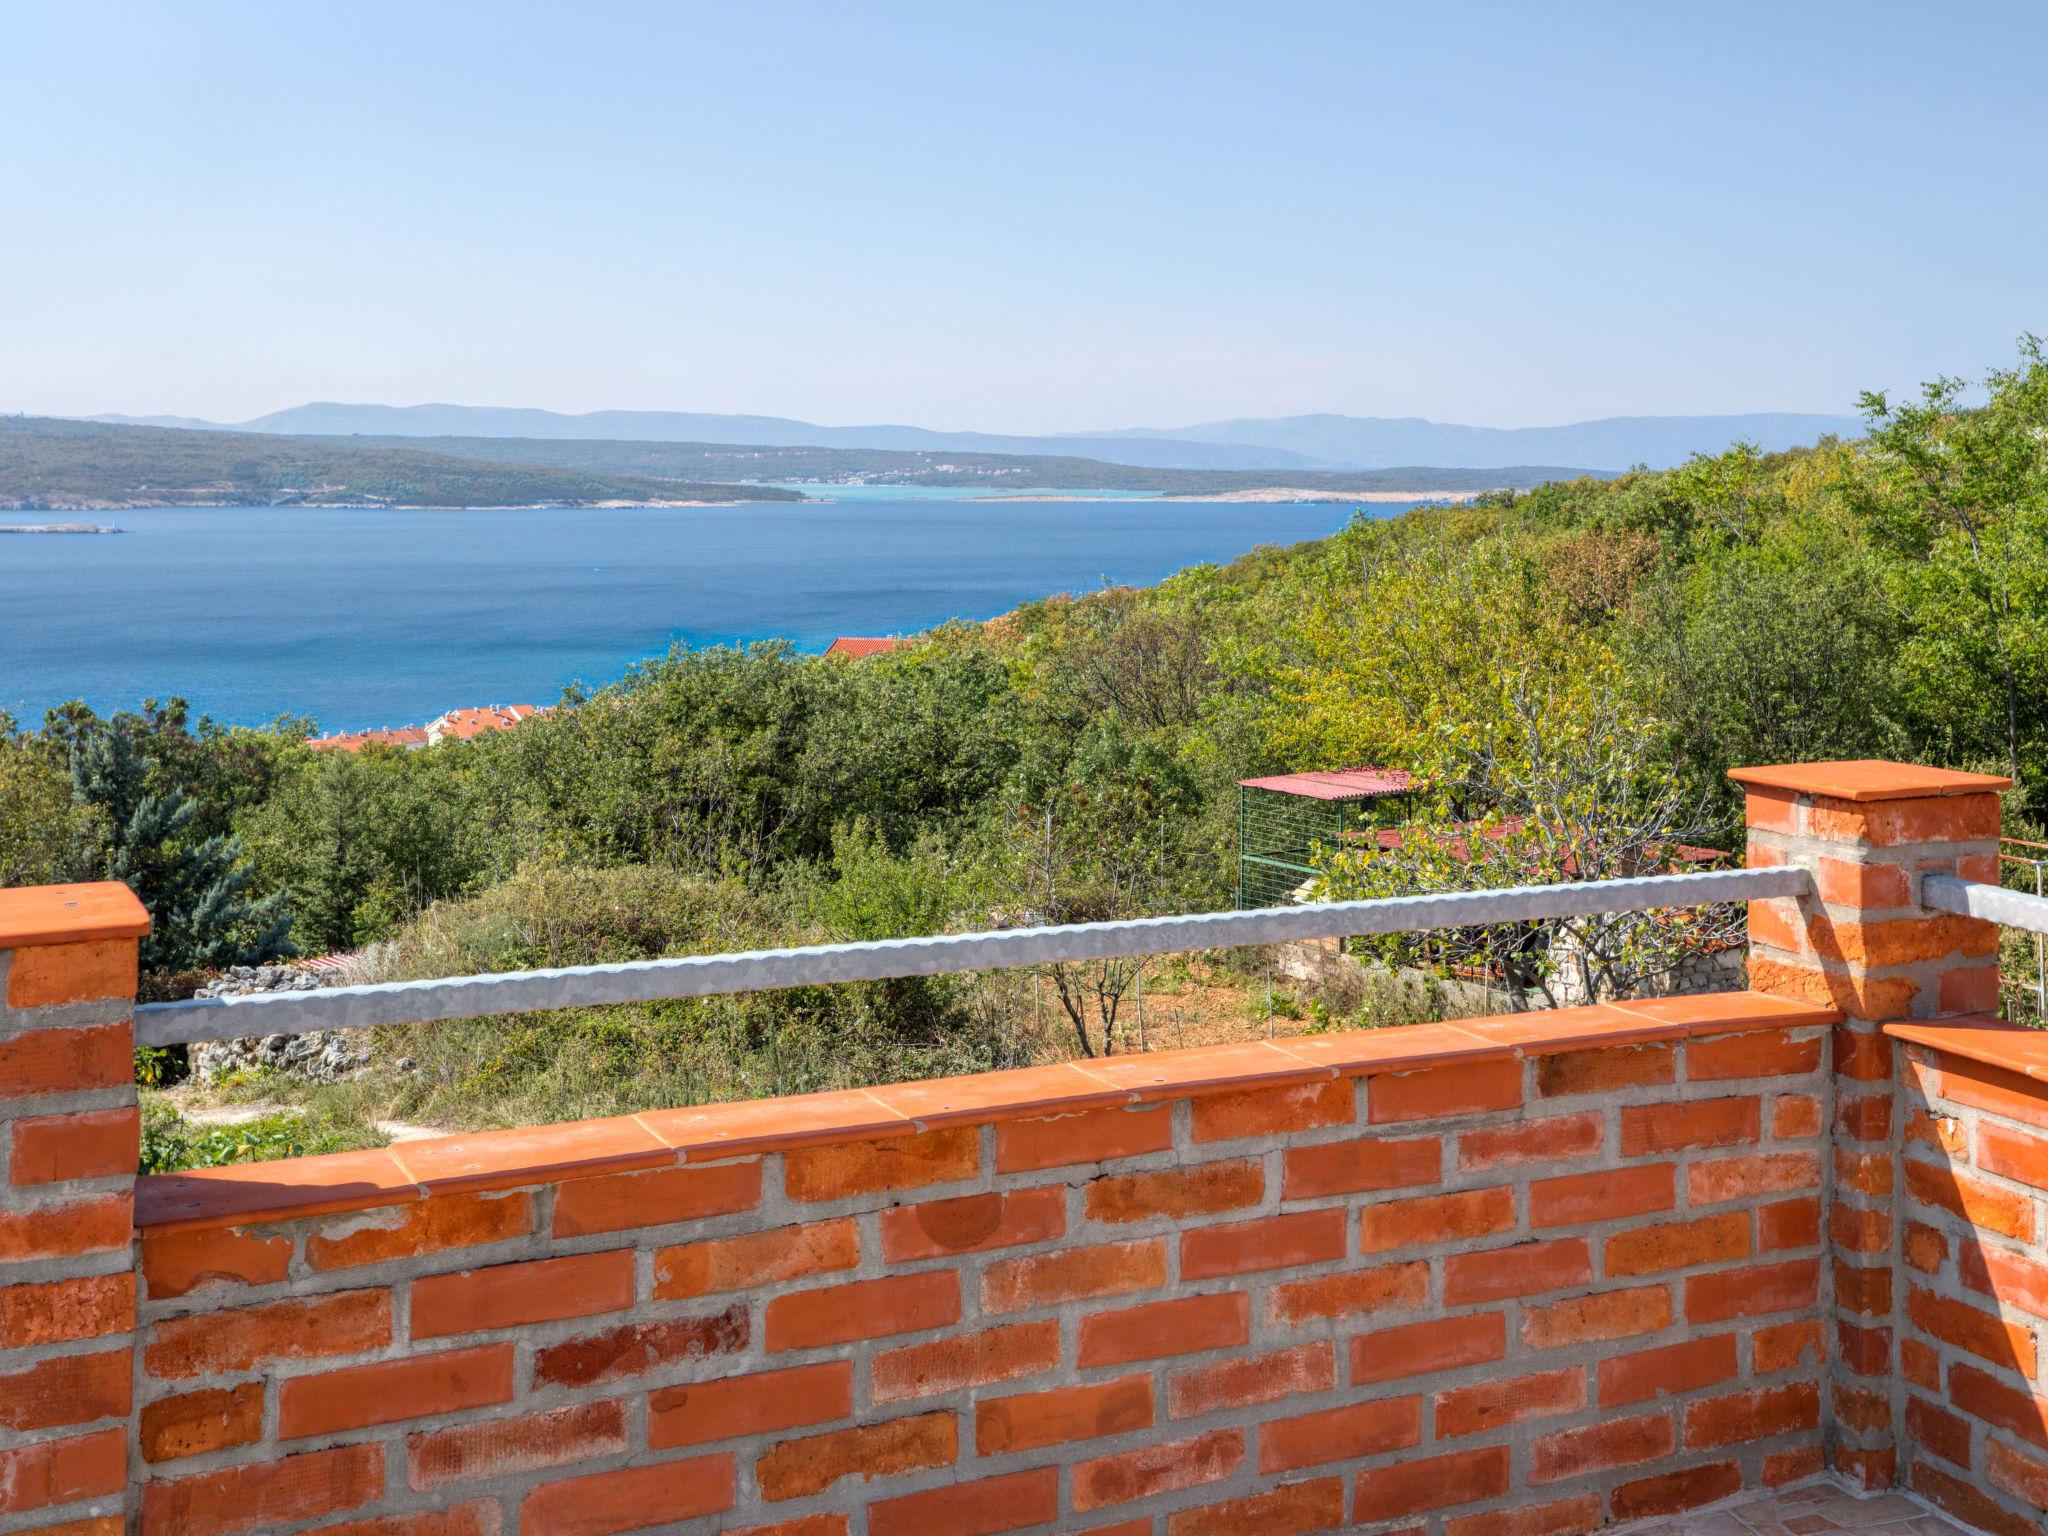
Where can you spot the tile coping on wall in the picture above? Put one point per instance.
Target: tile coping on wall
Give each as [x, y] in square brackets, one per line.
[1979, 1038]
[1866, 780]
[248, 1193]
[70, 914]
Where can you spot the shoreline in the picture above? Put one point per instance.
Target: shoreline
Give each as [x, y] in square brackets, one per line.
[1278, 494]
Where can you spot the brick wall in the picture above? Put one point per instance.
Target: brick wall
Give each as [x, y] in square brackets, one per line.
[68, 1140]
[1575, 1266]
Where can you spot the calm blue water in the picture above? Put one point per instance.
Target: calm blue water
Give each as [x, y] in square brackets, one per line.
[387, 618]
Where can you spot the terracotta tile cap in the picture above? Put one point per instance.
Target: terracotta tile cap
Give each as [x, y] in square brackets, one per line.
[1549, 1031]
[1993, 1042]
[531, 1155]
[1867, 778]
[1001, 1095]
[244, 1194]
[70, 914]
[1168, 1074]
[706, 1132]
[1716, 1013]
[1395, 1048]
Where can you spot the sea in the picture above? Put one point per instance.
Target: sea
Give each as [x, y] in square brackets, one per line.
[386, 617]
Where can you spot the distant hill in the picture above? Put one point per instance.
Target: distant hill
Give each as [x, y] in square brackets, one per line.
[49, 465]
[328, 419]
[1294, 443]
[1618, 442]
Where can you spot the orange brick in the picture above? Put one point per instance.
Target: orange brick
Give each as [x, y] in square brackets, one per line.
[1527, 1269]
[1920, 1364]
[630, 1499]
[2021, 1476]
[429, 1226]
[62, 1231]
[1744, 1178]
[2011, 1154]
[1652, 1128]
[481, 1517]
[1784, 1345]
[1031, 1421]
[1292, 1510]
[1858, 995]
[750, 1405]
[2013, 1280]
[1046, 1279]
[1981, 1204]
[1578, 1199]
[1089, 1136]
[1605, 1070]
[1944, 1133]
[40, 1061]
[1564, 1517]
[92, 1144]
[862, 1309]
[1352, 1293]
[1156, 1469]
[1788, 1224]
[1668, 1369]
[59, 1311]
[1976, 1332]
[46, 975]
[1492, 1404]
[1606, 1315]
[217, 1343]
[1982, 1086]
[1865, 1291]
[1357, 1166]
[1753, 1415]
[1678, 1245]
[1967, 989]
[1852, 883]
[1200, 1190]
[808, 1525]
[984, 1507]
[846, 1169]
[977, 1359]
[390, 1391]
[1273, 1111]
[1421, 1349]
[1926, 1249]
[755, 1259]
[1991, 1399]
[69, 1389]
[1266, 1242]
[178, 1263]
[1184, 1326]
[1557, 1139]
[1429, 1219]
[1253, 1380]
[1935, 1429]
[1904, 940]
[658, 1198]
[1795, 1117]
[1886, 823]
[973, 1224]
[1434, 1482]
[1601, 1447]
[1762, 1053]
[1675, 1491]
[636, 1348]
[1754, 1291]
[195, 1423]
[516, 1295]
[796, 1469]
[1862, 1117]
[1863, 1173]
[1859, 1231]
[1792, 1466]
[1861, 1054]
[1773, 810]
[1469, 1088]
[498, 1447]
[1340, 1434]
[1863, 1351]
[263, 1495]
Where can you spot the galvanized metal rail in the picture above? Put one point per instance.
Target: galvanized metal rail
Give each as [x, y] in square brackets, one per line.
[583, 986]
[1993, 903]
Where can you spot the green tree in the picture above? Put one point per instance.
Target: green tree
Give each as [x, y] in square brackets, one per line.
[196, 888]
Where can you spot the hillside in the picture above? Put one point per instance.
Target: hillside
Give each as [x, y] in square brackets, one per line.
[52, 465]
[1000, 473]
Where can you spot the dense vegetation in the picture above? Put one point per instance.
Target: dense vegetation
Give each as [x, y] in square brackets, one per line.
[1606, 649]
[48, 464]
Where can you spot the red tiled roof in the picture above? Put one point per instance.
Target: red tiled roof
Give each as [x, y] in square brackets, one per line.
[1337, 783]
[863, 645]
[355, 741]
[465, 724]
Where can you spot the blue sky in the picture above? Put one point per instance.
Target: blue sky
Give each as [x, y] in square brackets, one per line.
[1015, 218]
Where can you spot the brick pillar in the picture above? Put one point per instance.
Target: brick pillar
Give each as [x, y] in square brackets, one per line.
[1868, 830]
[69, 1141]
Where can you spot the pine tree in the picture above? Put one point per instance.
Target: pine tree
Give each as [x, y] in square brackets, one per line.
[197, 893]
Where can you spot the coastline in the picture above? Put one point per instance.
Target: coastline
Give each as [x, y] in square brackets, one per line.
[1267, 494]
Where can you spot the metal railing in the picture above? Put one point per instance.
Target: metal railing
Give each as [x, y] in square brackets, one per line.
[1993, 903]
[640, 981]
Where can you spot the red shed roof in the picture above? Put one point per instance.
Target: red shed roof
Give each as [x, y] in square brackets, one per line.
[1337, 783]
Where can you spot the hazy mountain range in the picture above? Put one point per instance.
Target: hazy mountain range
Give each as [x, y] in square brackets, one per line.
[1319, 442]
